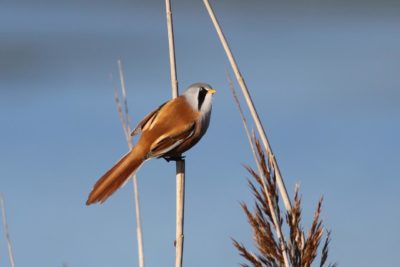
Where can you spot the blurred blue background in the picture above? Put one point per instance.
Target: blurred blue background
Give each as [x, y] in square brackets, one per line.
[324, 76]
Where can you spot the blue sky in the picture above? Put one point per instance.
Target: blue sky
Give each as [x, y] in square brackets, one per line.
[323, 75]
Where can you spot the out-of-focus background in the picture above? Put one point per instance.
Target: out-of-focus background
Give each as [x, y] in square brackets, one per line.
[324, 76]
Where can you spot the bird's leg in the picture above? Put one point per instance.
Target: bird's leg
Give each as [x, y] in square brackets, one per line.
[174, 158]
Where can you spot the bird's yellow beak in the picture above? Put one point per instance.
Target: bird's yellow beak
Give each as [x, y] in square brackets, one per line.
[211, 91]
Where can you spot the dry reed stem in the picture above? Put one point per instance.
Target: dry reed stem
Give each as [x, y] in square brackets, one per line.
[125, 121]
[246, 128]
[171, 48]
[180, 211]
[6, 231]
[271, 204]
[180, 164]
[250, 104]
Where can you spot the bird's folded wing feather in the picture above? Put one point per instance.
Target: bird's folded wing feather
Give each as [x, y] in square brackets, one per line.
[169, 141]
[147, 121]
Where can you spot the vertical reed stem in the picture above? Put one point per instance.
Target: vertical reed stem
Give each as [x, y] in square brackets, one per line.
[127, 130]
[138, 222]
[171, 46]
[250, 104]
[180, 211]
[6, 231]
[180, 164]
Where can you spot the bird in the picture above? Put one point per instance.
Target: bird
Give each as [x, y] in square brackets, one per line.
[167, 132]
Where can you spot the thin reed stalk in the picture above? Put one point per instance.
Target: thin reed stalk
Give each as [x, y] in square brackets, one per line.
[171, 47]
[6, 231]
[246, 128]
[271, 204]
[250, 104]
[180, 164]
[125, 121]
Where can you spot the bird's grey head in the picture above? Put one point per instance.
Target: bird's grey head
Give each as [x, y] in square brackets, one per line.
[199, 95]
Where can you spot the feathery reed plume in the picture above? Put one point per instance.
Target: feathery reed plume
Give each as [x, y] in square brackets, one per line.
[180, 164]
[6, 231]
[302, 249]
[124, 116]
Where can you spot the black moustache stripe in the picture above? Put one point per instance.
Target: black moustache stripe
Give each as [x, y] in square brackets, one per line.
[201, 97]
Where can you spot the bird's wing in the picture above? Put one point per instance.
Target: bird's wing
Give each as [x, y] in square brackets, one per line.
[147, 121]
[169, 141]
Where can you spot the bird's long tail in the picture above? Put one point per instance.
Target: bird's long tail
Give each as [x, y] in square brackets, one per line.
[114, 178]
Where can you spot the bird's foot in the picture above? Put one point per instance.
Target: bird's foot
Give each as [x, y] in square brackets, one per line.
[174, 158]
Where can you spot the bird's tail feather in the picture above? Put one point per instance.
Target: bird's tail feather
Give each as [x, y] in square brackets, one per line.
[114, 178]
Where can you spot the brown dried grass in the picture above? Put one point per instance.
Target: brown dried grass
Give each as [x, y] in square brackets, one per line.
[302, 248]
